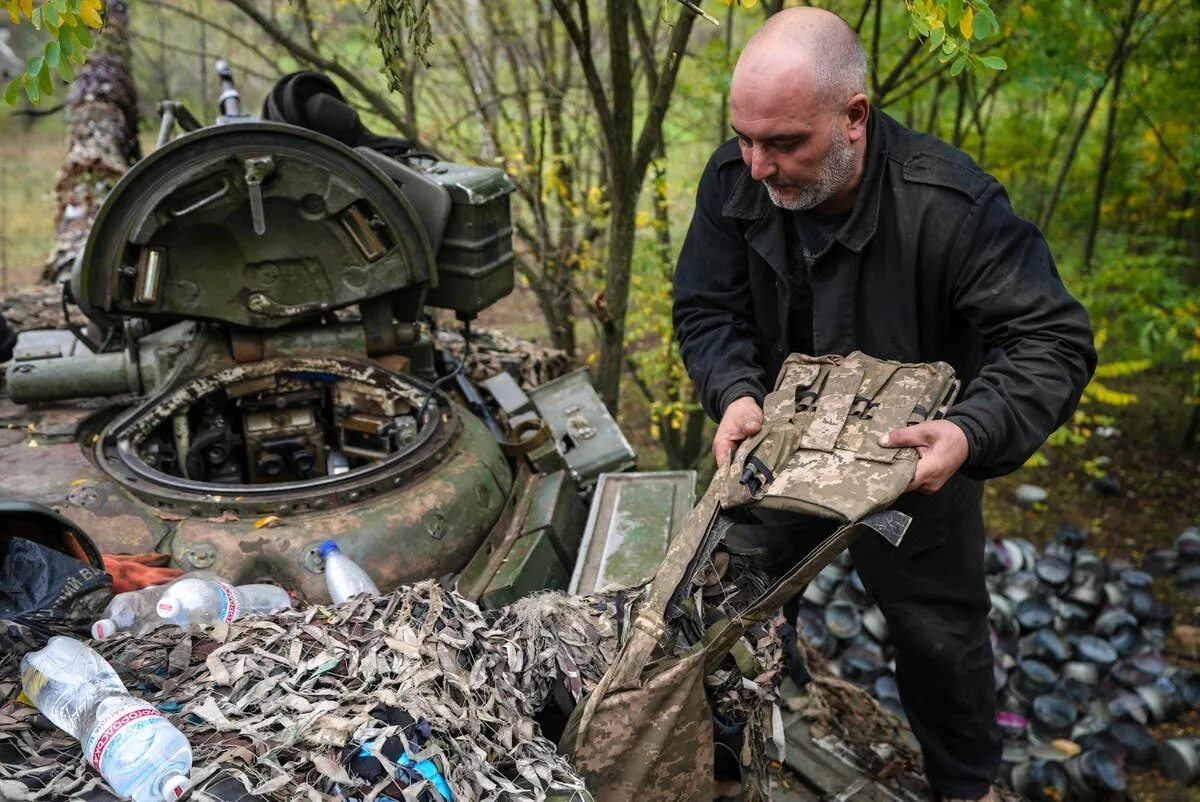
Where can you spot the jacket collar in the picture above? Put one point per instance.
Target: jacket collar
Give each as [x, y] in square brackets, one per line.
[749, 200]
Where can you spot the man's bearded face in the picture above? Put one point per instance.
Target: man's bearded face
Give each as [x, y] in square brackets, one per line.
[833, 173]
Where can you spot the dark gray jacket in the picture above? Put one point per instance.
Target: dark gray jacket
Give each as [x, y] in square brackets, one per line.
[932, 264]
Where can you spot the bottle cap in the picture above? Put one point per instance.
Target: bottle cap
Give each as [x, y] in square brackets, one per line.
[167, 607]
[103, 628]
[174, 786]
[326, 547]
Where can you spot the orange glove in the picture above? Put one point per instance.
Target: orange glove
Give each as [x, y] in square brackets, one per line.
[137, 571]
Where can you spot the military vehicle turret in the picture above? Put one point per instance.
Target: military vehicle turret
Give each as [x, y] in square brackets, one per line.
[258, 371]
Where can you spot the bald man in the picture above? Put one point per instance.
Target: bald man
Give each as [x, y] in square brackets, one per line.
[824, 227]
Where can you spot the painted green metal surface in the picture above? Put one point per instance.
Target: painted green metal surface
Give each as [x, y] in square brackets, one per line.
[532, 565]
[589, 439]
[632, 519]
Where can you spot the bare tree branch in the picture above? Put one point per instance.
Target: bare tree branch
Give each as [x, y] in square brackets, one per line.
[380, 103]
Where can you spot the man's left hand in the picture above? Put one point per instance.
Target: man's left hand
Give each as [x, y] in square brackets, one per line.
[941, 450]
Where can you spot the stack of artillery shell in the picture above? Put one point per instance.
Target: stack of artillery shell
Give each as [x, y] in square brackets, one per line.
[1080, 673]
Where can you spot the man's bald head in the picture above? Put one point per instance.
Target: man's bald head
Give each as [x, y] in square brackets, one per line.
[807, 46]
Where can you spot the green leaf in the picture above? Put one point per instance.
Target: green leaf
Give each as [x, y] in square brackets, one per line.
[994, 62]
[954, 12]
[66, 43]
[36, 18]
[73, 7]
[35, 64]
[921, 25]
[10, 92]
[53, 53]
[65, 70]
[45, 82]
[81, 34]
[985, 24]
[959, 64]
[935, 38]
[31, 89]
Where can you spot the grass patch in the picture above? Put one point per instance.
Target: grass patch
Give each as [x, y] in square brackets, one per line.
[30, 155]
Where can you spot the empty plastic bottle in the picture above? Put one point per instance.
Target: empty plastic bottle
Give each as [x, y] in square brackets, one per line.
[206, 601]
[135, 611]
[343, 576]
[137, 751]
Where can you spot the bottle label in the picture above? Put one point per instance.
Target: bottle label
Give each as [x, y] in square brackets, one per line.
[32, 682]
[124, 721]
[229, 605]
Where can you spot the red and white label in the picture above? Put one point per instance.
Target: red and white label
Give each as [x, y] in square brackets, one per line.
[111, 725]
[229, 602]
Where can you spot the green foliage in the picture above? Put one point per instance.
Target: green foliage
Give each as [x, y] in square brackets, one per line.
[951, 28]
[65, 24]
[401, 26]
[1145, 310]
[1146, 302]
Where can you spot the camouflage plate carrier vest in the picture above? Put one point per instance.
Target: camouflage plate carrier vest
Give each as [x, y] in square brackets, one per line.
[645, 732]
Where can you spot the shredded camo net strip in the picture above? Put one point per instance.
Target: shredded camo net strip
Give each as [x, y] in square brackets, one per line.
[272, 702]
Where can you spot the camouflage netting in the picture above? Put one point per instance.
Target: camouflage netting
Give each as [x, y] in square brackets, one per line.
[492, 351]
[273, 701]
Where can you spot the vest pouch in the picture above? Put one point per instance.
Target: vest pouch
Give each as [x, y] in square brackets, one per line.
[652, 743]
[819, 454]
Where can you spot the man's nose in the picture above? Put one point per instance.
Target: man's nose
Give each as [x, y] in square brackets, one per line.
[760, 164]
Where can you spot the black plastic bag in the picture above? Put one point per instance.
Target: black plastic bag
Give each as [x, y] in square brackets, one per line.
[52, 578]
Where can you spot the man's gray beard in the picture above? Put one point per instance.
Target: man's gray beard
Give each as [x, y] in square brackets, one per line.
[836, 172]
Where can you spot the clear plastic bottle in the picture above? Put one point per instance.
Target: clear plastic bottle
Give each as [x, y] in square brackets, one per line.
[135, 611]
[137, 751]
[343, 576]
[205, 601]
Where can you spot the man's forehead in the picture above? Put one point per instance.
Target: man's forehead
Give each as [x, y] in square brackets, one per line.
[772, 111]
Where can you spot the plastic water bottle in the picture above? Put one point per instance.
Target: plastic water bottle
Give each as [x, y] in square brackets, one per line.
[343, 576]
[137, 751]
[134, 611]
[206, 601]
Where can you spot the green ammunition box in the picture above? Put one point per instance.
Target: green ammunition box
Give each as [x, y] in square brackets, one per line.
[475, 260]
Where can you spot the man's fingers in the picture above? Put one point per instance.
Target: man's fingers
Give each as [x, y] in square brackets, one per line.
[918, 435]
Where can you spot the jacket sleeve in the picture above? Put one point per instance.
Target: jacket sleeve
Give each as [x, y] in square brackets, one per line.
[1038, 352]
[713, 310]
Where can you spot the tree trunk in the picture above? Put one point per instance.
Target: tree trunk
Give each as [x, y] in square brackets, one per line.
[1121, 50]
[1106, 157]
[102, 139]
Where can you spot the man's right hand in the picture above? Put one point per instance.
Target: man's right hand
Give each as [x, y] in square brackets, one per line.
[742, 418]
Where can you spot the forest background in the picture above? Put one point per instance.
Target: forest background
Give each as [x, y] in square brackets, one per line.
[603, 114]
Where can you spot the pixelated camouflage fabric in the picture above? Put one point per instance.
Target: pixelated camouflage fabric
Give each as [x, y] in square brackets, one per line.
[818, 451]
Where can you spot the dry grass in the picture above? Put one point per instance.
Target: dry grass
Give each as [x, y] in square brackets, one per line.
[30, 155]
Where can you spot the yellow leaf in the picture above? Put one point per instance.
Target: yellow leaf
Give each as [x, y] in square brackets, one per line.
[14, 12]
[26, 7]
[89, 12]
[966, 24]
[79, 482]
[270, 520]
[747, 3]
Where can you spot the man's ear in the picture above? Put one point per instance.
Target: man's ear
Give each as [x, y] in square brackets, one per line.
[857, 109]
